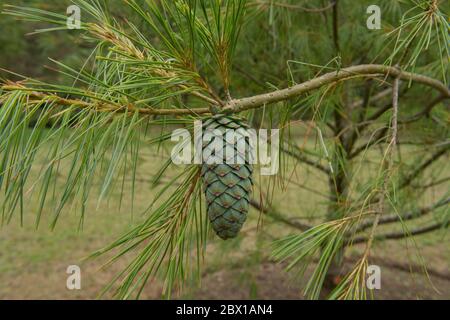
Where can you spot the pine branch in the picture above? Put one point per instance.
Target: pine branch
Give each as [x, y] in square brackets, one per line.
[364, 123]
[302, 158]
[368, 70]
[270, 212]
[379, 96]
[386, 164]
[378, 138]
[425, 112]
[351, 286]
[409, 267]
[414, 214]
[431, 184]
[100, 106]
[293, 6]
[382, 132]
[238, 105]
[406, 181]
[402, 234]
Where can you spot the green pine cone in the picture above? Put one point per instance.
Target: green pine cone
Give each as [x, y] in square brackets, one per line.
[227, 186]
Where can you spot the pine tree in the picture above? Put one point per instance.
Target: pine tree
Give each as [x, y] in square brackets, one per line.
[360, 94]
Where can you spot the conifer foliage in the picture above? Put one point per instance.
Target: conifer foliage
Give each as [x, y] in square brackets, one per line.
[371, 106]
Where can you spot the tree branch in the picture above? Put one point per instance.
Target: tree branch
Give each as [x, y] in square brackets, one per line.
[277, 216]
[387, 164]
[292, 6]
[434, 157]
[305, 160]
[431, 184]
[242, 104]
[425, 112]
[401, 234]
[98, 105]
[378, 96]
[409, 267]
[377, 139]
[417, 213]
[238, 105]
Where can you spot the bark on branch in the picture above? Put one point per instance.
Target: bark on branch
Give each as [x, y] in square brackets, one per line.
[238, 105]
[242, 104]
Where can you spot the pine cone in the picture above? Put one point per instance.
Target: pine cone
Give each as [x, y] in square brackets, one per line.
[227, 186]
